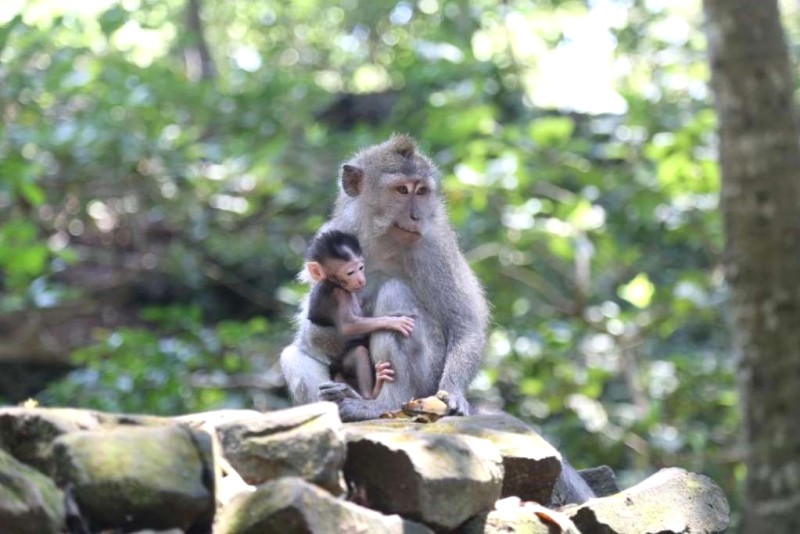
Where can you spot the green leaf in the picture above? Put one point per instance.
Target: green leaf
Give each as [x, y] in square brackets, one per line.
[638, 291]
[586, 216]
[31, 192]
[552, 131]
[113, 19]
[531, 387]
[5, 31]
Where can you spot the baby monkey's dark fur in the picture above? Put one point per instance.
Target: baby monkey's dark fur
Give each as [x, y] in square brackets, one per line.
[335, 263]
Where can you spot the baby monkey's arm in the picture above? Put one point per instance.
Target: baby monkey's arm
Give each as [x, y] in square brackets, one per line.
[351, 324]
[356, 326]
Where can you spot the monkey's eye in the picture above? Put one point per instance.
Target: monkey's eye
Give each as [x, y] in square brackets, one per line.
[402, 189]
[361, 268]
[422, 190]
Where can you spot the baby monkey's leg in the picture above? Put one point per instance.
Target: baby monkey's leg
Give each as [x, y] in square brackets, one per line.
[357, 363]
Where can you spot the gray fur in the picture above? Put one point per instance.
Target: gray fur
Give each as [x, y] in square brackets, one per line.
[428, 279]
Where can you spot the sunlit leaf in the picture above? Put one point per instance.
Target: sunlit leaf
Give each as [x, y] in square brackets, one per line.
[531, 387]
[638, 291]
[552, 131]
[586, 216]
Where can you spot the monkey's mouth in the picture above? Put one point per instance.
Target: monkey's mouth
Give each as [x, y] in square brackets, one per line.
[408, 230]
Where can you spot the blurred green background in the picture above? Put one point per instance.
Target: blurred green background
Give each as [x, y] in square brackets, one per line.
[163, 164]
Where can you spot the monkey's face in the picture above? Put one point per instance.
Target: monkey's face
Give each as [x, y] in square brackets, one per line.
[390, 189]
[411, 204]
[349, 275]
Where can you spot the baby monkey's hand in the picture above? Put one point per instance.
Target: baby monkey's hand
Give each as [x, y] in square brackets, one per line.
[403, 324]
[384, 372]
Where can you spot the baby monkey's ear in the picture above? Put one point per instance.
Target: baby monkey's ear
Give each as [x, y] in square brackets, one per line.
[315, 270]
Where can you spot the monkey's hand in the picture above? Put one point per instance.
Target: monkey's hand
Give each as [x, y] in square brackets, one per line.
[384, 372]
[403, 324]
[336, 391]
[457, 404]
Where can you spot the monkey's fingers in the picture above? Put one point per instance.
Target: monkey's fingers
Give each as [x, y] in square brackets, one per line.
[457, 404]
[336, 391]
[403, 329]
[387, 375]
[380, 366]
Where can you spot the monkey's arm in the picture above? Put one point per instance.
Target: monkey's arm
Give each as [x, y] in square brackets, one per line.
[351, 324]
[466, 340]
[463, 360]
[356, 326]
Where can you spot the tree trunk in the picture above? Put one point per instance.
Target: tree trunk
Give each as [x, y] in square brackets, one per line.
[199, 64]
[760, 158]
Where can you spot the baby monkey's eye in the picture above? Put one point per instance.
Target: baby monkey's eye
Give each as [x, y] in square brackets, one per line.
[422, 190]
[402, 189]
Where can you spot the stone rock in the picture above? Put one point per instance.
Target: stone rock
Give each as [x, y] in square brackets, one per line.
[133, 477]
[230, 486]
[209, 421]
[130, 473]
[439, 480]
[28, 433]
[292, 505]
[306, 441]
[531, 464]
[30, 503]
[601, 479]
[227, 480]
[671, 501]
[513, 515]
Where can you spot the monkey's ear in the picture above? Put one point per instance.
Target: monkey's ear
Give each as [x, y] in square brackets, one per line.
[315, 270]
[352, 180]
[403, 144]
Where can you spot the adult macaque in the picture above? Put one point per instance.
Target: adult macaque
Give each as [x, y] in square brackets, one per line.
[336, 266]
[390, 199]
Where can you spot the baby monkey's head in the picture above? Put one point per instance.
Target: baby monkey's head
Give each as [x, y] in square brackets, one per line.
[336, 257]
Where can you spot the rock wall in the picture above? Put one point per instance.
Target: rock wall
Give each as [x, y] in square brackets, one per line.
[302, 470]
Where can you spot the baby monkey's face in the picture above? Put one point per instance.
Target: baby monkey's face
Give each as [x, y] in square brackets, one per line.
[349, 275]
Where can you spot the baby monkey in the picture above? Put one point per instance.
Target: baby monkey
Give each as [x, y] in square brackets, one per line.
[334, 261]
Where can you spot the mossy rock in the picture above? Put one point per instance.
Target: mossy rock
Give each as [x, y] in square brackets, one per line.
[30, 502]
[139, 477]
